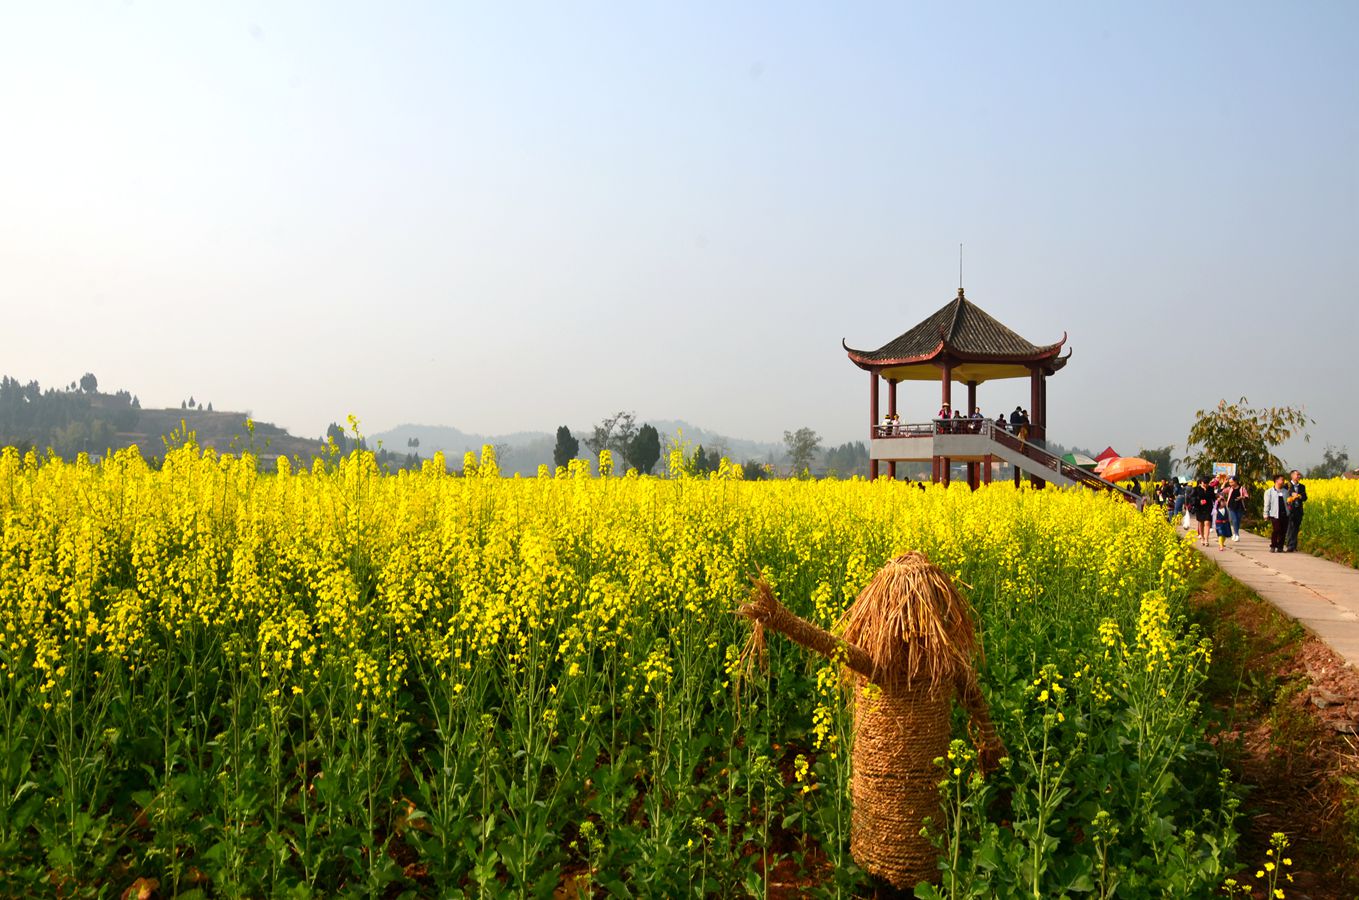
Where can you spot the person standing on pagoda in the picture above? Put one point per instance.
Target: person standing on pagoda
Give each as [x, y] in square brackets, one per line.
[945, 414]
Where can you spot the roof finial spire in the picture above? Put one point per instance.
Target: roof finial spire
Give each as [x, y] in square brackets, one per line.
[960, 269]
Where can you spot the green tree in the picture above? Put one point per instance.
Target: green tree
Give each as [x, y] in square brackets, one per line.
[802, 446]
[335, 432]
[846, 461]
[644, 450]
[1236, 433]
[567, 447]
[88, 383]
[1334, 463]
[754, 470]
[624, 433]
[613, 434]
[1160, 456]
[701, 461]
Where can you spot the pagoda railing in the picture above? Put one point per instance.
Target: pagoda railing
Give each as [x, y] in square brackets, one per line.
[1050, 460]
[1006, 438]
[905, 429]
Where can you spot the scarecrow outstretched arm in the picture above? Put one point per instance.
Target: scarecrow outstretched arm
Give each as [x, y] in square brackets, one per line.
[765, 609]
[979, 720]
[813, 637]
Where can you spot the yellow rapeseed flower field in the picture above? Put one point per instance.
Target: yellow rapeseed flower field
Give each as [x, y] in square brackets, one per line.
[330, 680]
[1330, 524]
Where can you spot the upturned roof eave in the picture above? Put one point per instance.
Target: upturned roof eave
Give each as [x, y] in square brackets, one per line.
[868, 361]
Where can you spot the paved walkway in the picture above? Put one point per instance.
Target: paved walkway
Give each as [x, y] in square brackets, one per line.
[1322, 595]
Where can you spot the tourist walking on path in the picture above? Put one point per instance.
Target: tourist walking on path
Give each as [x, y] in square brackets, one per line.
[1236, 505]
[1323, 596]
[1201, 499]
[1296, 493]
[1276, 510]
[1222, 523]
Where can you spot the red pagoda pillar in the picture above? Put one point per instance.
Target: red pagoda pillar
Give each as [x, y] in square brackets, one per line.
[943, 464]
[972, 481]
[892, 411]
[1043, 405]
[1036, 413]
[872, 423]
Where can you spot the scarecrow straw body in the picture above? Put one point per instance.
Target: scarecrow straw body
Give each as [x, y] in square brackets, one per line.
[909, 642]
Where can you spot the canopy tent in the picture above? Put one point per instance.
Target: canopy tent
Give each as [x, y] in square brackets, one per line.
[1106, 456]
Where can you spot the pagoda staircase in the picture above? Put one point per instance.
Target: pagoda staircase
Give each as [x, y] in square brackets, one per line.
[980, 440]
[1032, 459]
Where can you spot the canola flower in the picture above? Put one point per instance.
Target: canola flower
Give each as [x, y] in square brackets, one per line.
[1330, 525]
[239, 681]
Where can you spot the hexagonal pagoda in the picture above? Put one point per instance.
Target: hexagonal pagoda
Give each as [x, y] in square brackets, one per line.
[961, 342]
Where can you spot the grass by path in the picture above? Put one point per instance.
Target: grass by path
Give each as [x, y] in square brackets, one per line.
[1334, 545]
[1283, 705]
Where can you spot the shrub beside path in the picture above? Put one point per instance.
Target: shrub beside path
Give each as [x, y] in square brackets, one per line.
[1321, 595]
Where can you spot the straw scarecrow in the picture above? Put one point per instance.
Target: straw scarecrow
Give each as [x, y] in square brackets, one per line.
[910, 634]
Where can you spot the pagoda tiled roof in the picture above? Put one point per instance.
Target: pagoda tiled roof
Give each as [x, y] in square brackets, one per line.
[961, 330]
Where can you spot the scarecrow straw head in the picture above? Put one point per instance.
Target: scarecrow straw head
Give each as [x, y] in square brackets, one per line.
[913, 623]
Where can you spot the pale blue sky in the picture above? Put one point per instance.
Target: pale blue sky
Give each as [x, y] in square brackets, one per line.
[508, 216]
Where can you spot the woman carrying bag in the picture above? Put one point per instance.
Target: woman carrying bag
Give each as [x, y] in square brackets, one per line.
[1201, 505]
[1236, 505]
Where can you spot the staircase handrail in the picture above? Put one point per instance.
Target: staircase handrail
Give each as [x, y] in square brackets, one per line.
[1051, 460]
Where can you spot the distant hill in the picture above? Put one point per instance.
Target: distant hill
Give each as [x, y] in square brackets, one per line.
[81, 419]
[524, 451]
[78, 418]
[223, 431]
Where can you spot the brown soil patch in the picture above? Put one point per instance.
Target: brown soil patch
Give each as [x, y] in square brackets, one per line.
[1287, 711]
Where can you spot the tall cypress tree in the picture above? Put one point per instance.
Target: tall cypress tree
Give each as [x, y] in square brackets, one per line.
[567, 446]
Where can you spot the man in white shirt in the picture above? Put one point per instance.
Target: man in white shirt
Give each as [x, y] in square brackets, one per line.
[1276, 510]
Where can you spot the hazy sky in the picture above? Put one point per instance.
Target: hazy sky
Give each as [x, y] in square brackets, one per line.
[510, 216]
